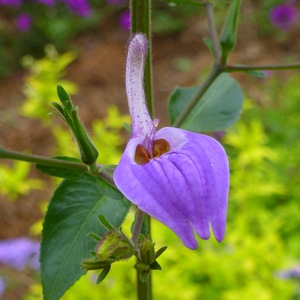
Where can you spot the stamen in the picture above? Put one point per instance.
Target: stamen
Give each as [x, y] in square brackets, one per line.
[160, 147]
[142, 155]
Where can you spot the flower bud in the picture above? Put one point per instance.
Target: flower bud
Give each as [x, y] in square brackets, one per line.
[88, 151]
[228, 38]
[146, 252]
[114, 244]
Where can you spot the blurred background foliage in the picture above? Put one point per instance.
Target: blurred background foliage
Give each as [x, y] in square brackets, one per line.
[262, 235]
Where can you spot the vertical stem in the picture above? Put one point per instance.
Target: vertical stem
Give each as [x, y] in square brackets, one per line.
[141, 22]
[212, 30]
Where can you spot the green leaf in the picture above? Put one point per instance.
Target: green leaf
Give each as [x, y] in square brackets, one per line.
[155, 266]
[255, 73]
[72, 214]
[61, 172]
[103, 274]
[209, 45]
[228, 38]
[219, 108]
[105, 223]
[185, 2]
[127, 127]
[67, 158]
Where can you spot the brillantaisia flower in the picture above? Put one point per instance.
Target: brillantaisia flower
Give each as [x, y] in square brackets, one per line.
[178, 177]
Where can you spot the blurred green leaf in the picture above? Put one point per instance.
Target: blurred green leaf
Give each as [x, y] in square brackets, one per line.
[219, 108]
[209, 45]
[185, 2]
[72, 214]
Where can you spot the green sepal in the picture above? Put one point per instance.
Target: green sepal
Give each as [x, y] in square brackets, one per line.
[141, 267]
[103, 274]
[105, 223]
[160, 251]
[91, 264]
[144, 275]
[59, 108]
[93, 253]
[155, 266]
[94, 236]
[88, 151]
[64, 98]
[228, 38]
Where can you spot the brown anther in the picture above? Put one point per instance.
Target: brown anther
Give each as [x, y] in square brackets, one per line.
[160, 147]
[142, 156]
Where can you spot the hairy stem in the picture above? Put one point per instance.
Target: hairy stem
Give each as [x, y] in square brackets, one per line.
[52, 162]
[212, 30]
[265, 67]
[215, 72]
[138, 226]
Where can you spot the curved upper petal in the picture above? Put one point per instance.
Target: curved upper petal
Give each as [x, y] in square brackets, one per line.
[185, 189]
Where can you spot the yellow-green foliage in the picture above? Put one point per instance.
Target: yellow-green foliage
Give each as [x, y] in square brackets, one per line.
[14, 181]
[40, 85]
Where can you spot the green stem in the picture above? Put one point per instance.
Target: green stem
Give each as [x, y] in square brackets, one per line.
[141, 22]
[144, 289]
[51, 162]
[212, 30]
[215, 72]
[266, 67]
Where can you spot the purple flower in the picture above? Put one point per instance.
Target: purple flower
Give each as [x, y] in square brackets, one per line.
[291, 273]
[79, 7]
[23, 22]
[19, 253]
[283, 16]
[2, 287]
[178, 177]
[16, 3]
[125, 20]
[47, 2]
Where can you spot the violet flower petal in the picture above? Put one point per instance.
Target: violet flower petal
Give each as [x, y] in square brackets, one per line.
[185, 189]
